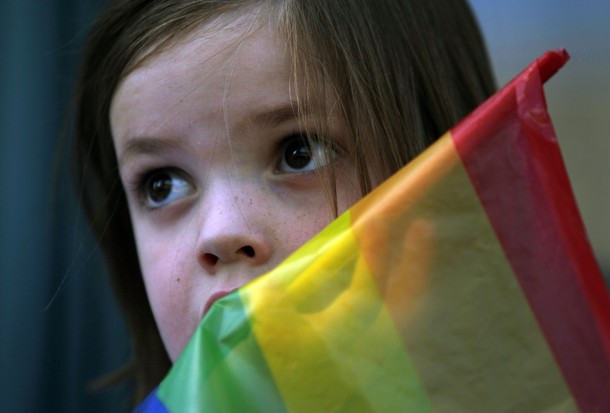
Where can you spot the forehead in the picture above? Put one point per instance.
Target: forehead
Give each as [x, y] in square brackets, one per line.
[228, 61]
[218, 40]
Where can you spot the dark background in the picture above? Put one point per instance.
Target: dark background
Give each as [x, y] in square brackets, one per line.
[59, 327]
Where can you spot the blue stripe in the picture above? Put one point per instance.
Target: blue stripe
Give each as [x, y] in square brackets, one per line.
[151, 404]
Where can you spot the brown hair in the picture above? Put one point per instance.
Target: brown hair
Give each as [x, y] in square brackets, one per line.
[404, 71]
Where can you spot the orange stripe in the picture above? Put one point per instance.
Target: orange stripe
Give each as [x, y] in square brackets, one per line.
[465, 322]
[391, 238]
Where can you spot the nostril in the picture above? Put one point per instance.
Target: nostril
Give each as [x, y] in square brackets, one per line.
[248, 251]
[210, 259]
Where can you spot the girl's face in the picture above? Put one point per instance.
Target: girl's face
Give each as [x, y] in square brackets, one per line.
[221, 185]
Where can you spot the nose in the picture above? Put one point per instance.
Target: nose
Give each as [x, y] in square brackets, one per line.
[231, 232]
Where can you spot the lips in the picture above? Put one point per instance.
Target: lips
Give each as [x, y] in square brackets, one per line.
[215, 297]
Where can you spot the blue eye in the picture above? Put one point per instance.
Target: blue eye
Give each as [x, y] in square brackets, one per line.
[165, 186]
[300, 155]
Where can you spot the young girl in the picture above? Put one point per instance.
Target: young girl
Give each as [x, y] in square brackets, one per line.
[215, 137]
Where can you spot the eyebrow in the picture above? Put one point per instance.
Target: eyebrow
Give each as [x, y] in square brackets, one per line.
[148, 145]
[280, 114]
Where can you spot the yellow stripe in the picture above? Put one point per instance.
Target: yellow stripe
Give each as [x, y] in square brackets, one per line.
[329, 341]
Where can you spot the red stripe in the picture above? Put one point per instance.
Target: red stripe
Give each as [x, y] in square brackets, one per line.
[511, 154]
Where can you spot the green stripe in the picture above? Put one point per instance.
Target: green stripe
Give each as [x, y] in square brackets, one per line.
[222, 369]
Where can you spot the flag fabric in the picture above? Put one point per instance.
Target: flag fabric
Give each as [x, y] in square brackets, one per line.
[464, 283]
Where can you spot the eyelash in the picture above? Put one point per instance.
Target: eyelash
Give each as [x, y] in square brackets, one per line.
[319, 151]
[144, 181]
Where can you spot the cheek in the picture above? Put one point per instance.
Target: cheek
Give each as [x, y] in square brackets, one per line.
[161, 259]
[348, 189]
[165, 271]
[294, 231]
[305, 219]
[298, 225]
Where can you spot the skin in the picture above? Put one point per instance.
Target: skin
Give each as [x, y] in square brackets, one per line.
[204, 135]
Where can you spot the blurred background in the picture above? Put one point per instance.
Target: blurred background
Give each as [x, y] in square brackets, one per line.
[578, 96]
[59, 327]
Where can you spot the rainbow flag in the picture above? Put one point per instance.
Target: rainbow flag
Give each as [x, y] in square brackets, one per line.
[465, 283]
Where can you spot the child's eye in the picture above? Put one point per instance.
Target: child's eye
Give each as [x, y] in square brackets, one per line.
[165, 186]
[299, 155]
